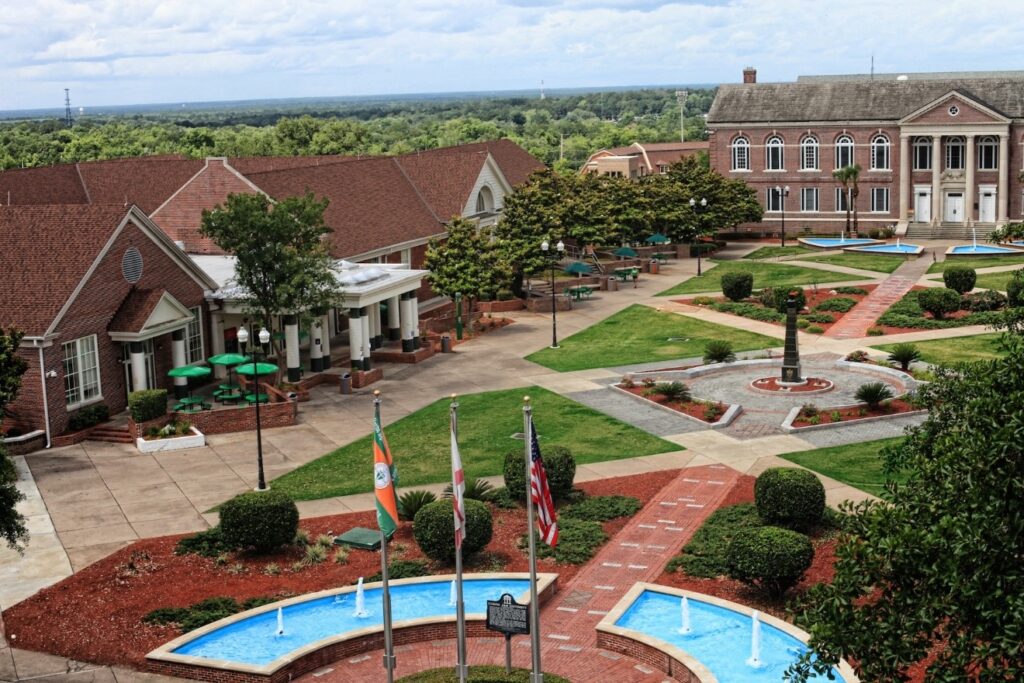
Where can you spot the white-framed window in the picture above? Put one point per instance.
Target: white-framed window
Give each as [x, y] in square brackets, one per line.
[955, 153]
[880, 200]
[844, 151]
[740, 154]
[809, 153]
[842, 197]
[194, 351]
[880, 153]
[773, 200]
[774, 157]
[81, 371]
[988, 153]
[809, 199]
[922, 154]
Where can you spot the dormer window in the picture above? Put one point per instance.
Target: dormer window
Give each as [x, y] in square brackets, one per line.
[485, 200]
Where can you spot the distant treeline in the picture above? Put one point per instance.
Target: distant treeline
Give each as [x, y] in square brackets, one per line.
[560, 130]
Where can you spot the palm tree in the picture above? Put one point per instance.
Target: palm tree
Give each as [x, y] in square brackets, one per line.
[854, 176]
[843, 176]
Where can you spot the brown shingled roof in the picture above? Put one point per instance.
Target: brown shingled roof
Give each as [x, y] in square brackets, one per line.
[47, 251]
[446, 180]
[515, 162]
[135, 310]
[43, 185]
[245, 165]
[146, 182]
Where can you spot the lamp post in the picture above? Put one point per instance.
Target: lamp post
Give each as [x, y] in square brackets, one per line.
[698, 208]
[681, 96]
[783, 192]
[553, 260]
[243, 340]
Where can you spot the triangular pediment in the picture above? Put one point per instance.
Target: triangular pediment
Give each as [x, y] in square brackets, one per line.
[145, 314]
[168, 310]
[952, 108]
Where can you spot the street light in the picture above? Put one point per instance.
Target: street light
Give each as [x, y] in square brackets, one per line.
[698, 208]
[243, 341]
[783, 192]
[681, 96]
[553, 259]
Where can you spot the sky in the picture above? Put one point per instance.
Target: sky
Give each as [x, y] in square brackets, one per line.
[146, 51]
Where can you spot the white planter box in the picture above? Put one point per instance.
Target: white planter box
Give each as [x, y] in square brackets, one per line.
[177, 443]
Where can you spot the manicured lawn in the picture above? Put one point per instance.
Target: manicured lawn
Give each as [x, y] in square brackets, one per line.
[956, 350]
[776, 252]
[976, 262]
[859, 465]
[765, 275]
[420, 443]
[640, 334]
[993, 280]
[876, 262]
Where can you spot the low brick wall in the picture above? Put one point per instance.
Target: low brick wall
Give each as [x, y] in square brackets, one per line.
[648, 654]
[500, 306]
[138, 429]
[34, 443]
[364, 378]
[543, 304]
[396, 355]
[242, 419]
[70, 438]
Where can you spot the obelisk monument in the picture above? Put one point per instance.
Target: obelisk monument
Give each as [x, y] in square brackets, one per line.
[791, 358]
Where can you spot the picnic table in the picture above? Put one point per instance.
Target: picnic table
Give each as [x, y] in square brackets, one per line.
[661, 256]
[191, 404]
[579, 292]
[626, 273]
[252, 398]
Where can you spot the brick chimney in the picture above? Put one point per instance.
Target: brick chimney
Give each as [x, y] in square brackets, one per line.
[750, 75]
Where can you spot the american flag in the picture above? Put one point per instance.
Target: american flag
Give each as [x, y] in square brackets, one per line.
[540, 494]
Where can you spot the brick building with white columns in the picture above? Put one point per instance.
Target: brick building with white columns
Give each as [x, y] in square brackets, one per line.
[940, 154]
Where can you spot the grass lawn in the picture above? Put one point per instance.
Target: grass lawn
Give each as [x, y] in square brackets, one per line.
[993, 280]
[956, 350]
[976, 262]
[776, 252]
[765, 275]
[876, 262]
[640, 334]
[420, 443]
[859, 465]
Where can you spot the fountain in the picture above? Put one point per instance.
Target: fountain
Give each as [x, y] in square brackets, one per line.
[684, 607]
[755, 640]
[360, 610]
[280, 621]
[974, 239]
[897, 242]
[452, 595]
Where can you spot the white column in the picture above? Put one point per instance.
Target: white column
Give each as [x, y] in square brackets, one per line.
[325, 341]
[316, 354]
[408, 328]
[217, 342]
[394, 319]
[904, 178]
[291, 341]
[936, 170]
[969, 190]
[374, 311]
[1003, 193]
[177, 360]
[365, 321]
[355, 339]
[140, 378]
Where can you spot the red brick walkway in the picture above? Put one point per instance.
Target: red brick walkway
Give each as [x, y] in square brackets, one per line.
[855, 324]
[637, 553]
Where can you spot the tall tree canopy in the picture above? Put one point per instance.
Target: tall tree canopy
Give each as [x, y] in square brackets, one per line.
[465, 263]
[12, 367]
[934, 576]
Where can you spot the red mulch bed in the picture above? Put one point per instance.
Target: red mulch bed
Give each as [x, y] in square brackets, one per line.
[96, 614]
[894, 407]
[692, 408]
[773, 384]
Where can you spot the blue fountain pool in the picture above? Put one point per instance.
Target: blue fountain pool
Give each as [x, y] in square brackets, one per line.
[719, 638]
[836, 242]
[891, 249]
[253, 640]
[982, 250]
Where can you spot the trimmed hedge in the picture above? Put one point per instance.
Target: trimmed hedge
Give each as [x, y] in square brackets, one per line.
[602, 508]
[434, 530]
[578, 541]
[938, 302]
[839, 304]
[148, 404]
[747, 310]
[559, 464]
[737, 286]
[960, 279]
[770, 558]
[789, 497]
[908, 313]
[261, 520]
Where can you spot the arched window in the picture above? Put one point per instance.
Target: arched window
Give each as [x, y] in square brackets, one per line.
[922, 154]
[988, 153]
[485, 200]
[844, 151]
[741, 154]
[774, 157]
[955, 153]
[809, 153]
[880, 153]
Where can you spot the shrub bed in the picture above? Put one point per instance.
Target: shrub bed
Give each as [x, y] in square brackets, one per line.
[261, 520]
[435, 533]
[908, 313]
[578, 541]
[790, 497]
[602, 508]
[770, 558]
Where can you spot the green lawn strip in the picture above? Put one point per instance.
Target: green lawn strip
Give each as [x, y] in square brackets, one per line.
[876, 262]
[907, 313]
[955, 350]
[640, 334]
[765, 275]
[421, 448]
[859, 465]
[776, 252]
[994, 280]
[976, 262]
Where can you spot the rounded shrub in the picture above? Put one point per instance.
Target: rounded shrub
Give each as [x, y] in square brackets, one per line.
[1015, 289]
[435, 533]
[770, 558]
[781, 295]
[737, 286]
[960, 279]
[789, 497]
[261, 520]
[938, 301]
[559, 464]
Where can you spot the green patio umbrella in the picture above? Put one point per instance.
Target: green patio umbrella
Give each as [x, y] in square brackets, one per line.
[189, 372]
[625, 252]
[255, 369]
[657, 238]
[578, 268]
[229, 360]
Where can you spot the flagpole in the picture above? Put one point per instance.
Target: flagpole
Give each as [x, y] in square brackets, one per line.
[535, 675]
[389, 650]
[461, 668]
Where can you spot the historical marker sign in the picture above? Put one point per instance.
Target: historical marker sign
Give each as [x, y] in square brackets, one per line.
[508, 616]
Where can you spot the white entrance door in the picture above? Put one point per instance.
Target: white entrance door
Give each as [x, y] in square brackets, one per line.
[954, 210]
[126, 360]
[922, 204]
[987, 204]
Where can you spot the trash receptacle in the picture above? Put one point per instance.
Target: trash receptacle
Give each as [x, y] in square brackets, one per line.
[613, 284]
[654, 267]
[446, 344]
[346, 383]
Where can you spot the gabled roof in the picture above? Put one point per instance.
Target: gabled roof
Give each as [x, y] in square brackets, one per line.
[246, 165]
[950, 97]
[146, 313]
[59, 184]
[444, 180]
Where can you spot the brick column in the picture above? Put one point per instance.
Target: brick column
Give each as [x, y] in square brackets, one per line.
[177, 360]
[904, 178]
[936, 170]
[1003, 193]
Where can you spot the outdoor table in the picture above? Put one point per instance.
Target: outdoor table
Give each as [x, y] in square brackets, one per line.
[661, 256]
[252, 398]
[580, 292]
[191, 404]
[229, 396]
[623, 273]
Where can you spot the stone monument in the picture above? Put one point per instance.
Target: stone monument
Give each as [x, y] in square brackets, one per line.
[791, 357]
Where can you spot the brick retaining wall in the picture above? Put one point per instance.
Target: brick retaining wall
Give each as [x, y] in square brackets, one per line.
[648, 654]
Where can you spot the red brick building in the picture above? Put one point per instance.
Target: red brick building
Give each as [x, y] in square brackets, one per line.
[940, 154]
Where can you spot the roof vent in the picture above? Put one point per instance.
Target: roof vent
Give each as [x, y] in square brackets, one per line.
[131, 265]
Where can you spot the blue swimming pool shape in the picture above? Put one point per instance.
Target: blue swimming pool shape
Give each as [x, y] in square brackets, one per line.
[836, 242]
[891, 249]
[719, 638]
[983, 249]
[254, 641]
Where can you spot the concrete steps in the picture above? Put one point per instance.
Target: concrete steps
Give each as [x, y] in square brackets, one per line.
[111, 434]
[948, 231]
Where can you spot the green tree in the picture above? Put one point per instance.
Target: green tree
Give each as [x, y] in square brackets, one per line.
[283, 261]
[12, 367]
[848, 177]
[465, 263]
[934, 575]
